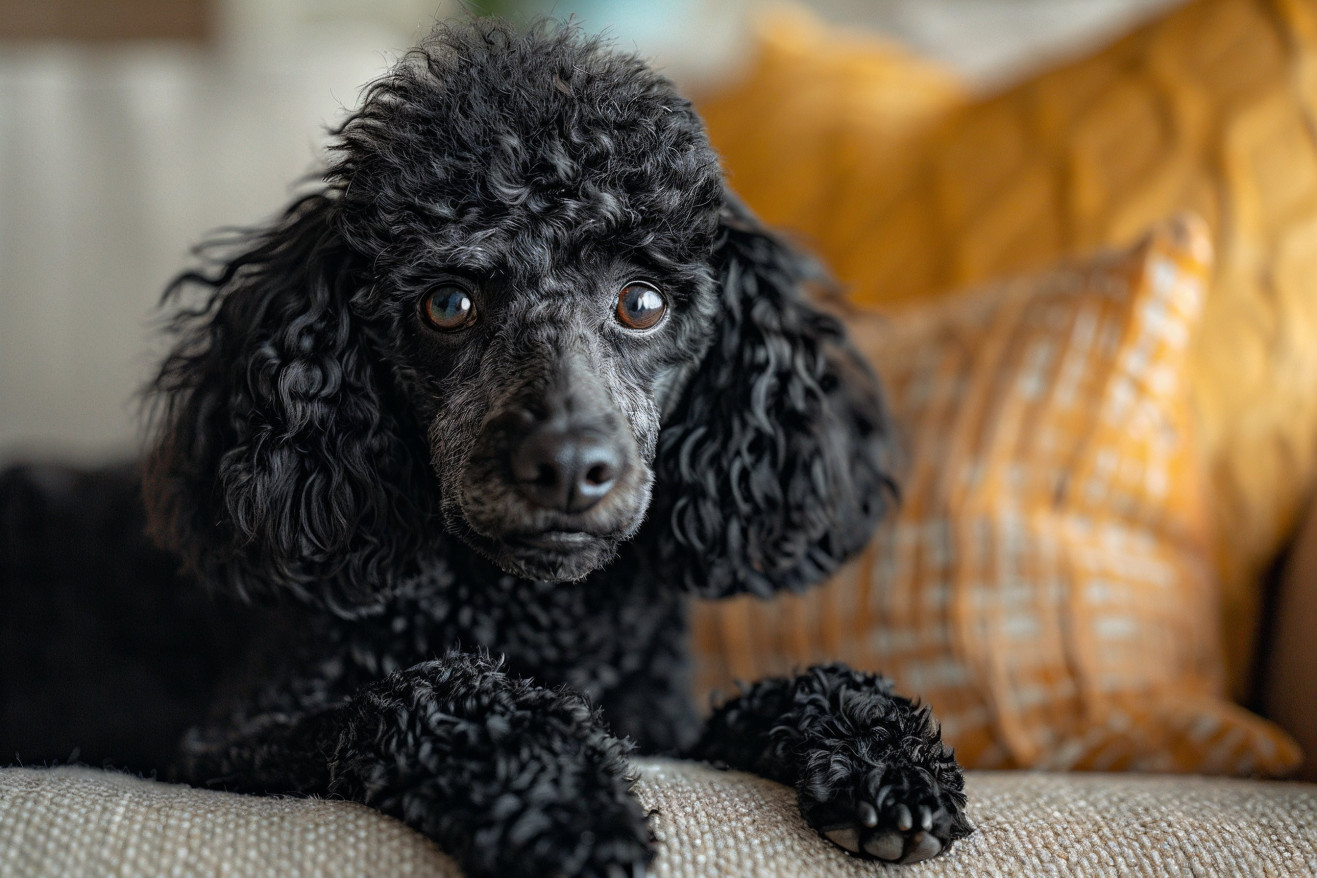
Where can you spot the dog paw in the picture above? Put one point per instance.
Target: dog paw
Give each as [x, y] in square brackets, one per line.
[614, 846]
[635, 869]
[630, 860]
[894, 814]
[896, 835]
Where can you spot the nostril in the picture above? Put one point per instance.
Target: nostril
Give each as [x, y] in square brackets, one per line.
[546, 475]
[599, 475]
[600, 462]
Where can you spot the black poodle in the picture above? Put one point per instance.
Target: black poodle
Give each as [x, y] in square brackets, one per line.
[484, 409]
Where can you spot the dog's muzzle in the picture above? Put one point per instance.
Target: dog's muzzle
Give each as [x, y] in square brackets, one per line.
[566, 467]
[555, 480]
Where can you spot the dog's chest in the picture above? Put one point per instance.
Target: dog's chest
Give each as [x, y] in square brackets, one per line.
[586, 635]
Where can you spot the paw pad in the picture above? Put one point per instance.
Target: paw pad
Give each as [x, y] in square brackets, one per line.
[897, 834]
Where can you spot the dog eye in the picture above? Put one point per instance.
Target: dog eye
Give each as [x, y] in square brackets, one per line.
[640, 306]
[448, 308]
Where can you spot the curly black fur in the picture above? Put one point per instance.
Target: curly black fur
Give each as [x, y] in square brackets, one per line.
[452, 647]
[868, 765]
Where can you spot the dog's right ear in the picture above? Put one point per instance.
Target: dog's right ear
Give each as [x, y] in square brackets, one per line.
[278, 462]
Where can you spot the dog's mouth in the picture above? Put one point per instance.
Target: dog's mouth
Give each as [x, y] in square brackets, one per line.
[553, 555]
[542, 544]
[552, 541]
[557, 521]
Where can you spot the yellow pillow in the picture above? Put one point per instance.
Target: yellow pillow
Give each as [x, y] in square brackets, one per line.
[1045, 585]
[1210, 109]
[813, 102]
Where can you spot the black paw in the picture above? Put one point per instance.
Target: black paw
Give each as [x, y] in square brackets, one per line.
[514, 779]
[898, 814]
[897, 835]
[616, 842]
[616, 870]
[619, 858]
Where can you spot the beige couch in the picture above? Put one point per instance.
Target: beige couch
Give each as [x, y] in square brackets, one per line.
[78, 821]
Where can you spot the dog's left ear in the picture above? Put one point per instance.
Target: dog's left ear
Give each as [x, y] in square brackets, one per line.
[774, 469]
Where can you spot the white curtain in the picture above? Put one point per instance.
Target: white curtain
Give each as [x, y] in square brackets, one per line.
[112, 164]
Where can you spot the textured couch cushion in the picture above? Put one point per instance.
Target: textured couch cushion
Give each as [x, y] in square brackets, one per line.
[81, 822]
[1045, 584]
[1211, 108]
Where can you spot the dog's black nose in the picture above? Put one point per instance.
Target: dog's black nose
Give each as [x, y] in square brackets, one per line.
[565, 469]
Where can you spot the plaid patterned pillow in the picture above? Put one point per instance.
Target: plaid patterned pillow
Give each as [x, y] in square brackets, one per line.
[1210, 107]
[1046, 585]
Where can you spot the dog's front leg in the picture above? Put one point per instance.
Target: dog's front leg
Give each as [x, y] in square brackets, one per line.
[511, 778]
[869, 767]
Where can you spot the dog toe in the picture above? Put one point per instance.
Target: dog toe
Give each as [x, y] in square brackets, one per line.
[885, 846]
[846, 837]
[922, 846]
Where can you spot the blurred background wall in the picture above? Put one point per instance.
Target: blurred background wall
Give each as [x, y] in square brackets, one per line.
[129, 128]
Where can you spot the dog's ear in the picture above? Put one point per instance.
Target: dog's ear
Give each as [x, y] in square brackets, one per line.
[774, 468]
[278, 462]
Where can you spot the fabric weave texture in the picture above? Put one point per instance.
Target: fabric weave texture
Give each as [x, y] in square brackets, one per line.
[73, 822]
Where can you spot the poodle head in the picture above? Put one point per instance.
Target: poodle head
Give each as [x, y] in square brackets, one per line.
[539, 214]
[523, 312]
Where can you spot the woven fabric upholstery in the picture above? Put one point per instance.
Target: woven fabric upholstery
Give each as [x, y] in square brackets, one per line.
[69, 823]
[1212, 108]
[1045, 585]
